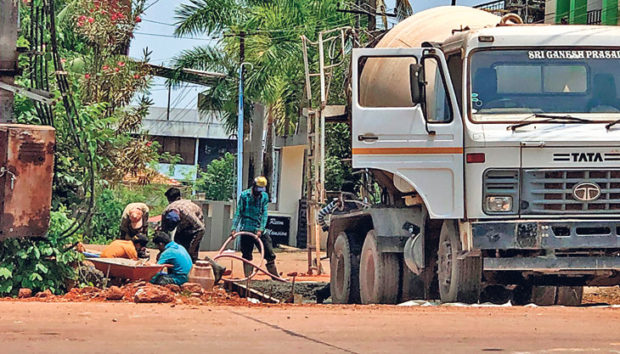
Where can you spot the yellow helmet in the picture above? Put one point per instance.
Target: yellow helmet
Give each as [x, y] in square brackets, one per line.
[260, 181]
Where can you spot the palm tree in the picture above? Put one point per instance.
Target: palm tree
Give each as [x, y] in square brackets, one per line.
[272, 31]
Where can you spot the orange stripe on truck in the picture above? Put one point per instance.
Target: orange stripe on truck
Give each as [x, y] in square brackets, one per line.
[408, 151]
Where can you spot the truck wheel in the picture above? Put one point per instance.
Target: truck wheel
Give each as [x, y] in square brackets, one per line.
[344, 270]
[379, 273]
[569, 295]
[459, 279]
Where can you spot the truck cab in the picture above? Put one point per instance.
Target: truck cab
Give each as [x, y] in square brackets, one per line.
[499, 162]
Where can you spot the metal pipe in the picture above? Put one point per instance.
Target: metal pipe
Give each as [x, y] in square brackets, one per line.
[257, 268]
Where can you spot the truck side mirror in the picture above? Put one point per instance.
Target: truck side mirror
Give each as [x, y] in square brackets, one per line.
[417, 83]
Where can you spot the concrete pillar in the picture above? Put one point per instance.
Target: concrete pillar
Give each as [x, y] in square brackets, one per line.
[609, 13]
[578, 12]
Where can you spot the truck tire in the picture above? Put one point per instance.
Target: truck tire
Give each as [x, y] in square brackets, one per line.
[459, 279]
[379, 273]
[344, 270]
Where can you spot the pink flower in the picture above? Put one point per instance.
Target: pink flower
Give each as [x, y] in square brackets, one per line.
[87, 76]
[82, 18]
[136, 76]
[120, 63]
[63, 60]
[117, 69]
[80, 24]
[138, 19]
[148, 144]
[91, 20]
[105, 67]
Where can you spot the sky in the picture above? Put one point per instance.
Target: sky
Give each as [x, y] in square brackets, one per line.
[156, 31]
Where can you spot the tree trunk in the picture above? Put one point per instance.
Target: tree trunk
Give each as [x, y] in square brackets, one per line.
[268, 154]
[372, 19]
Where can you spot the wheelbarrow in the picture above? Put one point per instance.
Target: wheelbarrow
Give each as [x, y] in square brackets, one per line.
[127, 268]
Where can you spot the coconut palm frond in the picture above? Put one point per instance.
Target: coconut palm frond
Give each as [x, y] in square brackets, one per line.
[207, 16]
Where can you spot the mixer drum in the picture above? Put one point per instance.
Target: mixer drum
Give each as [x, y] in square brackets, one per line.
[385, 82]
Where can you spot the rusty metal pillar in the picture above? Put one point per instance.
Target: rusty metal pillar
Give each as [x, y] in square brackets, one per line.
[8, 55]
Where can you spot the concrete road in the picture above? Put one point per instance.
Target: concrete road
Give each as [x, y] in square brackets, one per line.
[32, 327]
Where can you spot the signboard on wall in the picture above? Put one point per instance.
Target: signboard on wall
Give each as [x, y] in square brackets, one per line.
[280, 227]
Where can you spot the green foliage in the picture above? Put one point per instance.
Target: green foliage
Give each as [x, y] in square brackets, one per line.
[219, 179]
[338, 154]
[110, 204]
[274, 48]
[39, 264]
[150, 194]
[106, 218]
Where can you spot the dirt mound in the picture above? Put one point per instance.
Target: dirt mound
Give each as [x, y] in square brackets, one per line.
[141, 292]
[602, 295]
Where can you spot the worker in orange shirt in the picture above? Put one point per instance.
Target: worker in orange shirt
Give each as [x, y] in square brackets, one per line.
[126, 248]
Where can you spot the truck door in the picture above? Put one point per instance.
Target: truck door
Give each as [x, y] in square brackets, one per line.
[419, 137]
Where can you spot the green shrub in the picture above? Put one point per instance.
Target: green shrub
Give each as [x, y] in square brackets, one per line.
[106, 219]
[39, 264]
[218, 181]
[109, 206]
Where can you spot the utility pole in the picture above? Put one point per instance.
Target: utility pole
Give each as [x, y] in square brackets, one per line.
[8, 55]
[372, 18]
[240, 117]
[453, 2]
[357, 17]
[168, 105]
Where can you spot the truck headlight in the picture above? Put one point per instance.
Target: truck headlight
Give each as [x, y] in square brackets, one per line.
[499, 204]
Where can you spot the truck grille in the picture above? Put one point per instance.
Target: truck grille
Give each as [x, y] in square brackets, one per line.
[551, 191]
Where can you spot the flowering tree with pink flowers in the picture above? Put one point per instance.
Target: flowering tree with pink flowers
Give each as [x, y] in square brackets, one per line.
[109, 77]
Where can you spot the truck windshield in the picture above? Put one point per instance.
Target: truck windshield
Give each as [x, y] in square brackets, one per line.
[508, 85]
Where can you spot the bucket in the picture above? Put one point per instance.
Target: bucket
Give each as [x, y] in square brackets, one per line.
[202, 273]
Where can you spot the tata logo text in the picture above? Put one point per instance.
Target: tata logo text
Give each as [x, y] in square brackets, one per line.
[579, 157]
[587, 157]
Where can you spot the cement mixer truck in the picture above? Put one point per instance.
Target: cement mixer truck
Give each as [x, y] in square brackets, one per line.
[497, 149]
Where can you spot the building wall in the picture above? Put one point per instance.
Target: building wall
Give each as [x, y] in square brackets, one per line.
[595, 5]
[576, 12]
[290, 186]
[550, 7]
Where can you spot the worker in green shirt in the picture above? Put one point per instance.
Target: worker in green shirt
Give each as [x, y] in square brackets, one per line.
[251, 216]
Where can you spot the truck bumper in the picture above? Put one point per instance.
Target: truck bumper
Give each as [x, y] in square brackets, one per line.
[552, 264]
[546, 234]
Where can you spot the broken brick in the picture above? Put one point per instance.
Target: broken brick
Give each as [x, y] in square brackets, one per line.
[174, 288]
[24, 293]
[192, 288]
[46, 293]
[153, 294]
[114, 293]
